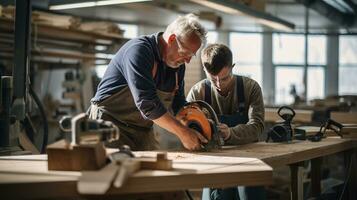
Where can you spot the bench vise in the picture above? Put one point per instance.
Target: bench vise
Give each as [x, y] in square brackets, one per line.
[83, 149]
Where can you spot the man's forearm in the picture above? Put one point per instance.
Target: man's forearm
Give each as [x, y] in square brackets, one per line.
[168, 122]
[245, 133]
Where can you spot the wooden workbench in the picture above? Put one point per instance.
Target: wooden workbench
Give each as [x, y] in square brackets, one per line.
[293, 154]
[28, 177]
[280, 154]
[233, 165]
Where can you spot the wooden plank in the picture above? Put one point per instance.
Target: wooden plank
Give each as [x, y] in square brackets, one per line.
[46, 31]
[97, 182]
[63, 156]
[63, 21]
[106, 27]
[281, 154]
[190, 171]
[344, 117]
[221, 168]
[304, 116]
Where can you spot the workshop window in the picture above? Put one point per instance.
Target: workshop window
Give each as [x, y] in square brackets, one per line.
[288, 57]
[347, 65]
[288, 79]
[317, 49]
[288, 49]
[212, 37]
[317, 60]
[247, 54]
[315, 82]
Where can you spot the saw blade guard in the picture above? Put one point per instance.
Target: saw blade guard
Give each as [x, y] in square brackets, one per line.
[199, 116]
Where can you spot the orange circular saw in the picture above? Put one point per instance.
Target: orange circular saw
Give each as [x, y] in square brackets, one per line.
[200, 116]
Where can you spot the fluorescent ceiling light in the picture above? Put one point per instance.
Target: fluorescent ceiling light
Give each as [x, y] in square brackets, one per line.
[92, 4]
[218, 6]
[236, 8]
[274, 25]
[340, 5]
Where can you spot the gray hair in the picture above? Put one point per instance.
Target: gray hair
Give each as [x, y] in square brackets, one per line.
[187, 24]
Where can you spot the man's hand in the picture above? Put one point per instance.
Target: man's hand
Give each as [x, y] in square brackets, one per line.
[192, 140]
[223, 129]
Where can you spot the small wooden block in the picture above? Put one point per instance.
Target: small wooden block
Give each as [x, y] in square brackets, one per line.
[62, 156]
[160, 163]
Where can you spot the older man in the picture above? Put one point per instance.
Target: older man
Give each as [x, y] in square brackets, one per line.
[145, 80]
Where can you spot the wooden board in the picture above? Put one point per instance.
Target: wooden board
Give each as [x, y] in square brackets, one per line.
[50, 32]
[233, 165]
[345, 117]
[31, 177]
[63, 156]
[281, 154]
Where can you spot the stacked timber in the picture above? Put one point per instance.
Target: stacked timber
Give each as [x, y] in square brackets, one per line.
[7, 12]
[50, 19]
[44, 18]
[62, 38]
[66, 22]
[101, 27]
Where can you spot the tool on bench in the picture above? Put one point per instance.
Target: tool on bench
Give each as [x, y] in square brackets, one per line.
[123, 165]
[329, 124]
[83, 149]
[201, 117]
[282, 132]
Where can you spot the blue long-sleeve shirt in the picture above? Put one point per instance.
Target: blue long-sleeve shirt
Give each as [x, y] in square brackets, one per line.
[132, 66]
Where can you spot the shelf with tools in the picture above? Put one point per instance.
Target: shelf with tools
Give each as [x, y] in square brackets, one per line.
[54, 44]
[62, 39]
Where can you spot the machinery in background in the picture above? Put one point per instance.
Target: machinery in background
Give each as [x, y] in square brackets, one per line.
[329, 124]
[201, 117]
[73, 90]
[283, 131]
[8, 142]
[16, 88]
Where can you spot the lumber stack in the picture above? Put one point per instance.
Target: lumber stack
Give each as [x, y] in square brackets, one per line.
[65, 22]
[101, 27]
[50, 19]
[7, 12]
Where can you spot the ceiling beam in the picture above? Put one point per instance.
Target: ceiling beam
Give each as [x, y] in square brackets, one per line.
[330, 12]
[236, 8]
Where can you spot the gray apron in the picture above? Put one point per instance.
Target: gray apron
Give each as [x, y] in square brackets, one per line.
[120, 109]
